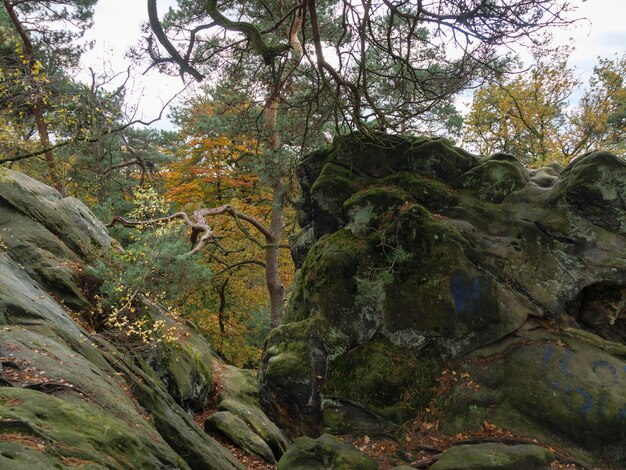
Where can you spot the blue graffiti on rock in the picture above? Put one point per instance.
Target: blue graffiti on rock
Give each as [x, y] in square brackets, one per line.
[569, 390]
[467, 293]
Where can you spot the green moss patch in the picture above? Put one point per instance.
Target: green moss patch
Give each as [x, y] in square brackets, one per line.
[429, 192]
[492, 455]
[495, 179]
[325, 452]
[393, 381]
[79, 431]
[326, 284]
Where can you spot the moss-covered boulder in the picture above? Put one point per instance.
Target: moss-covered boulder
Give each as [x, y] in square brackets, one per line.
[378, 374]
[429, 192]
[66, 217]
[62, 432]
[49, 236]
[325, 452]
[69, 398]
[565, 388]
[495, 178]
[343, 416]
[495, 455]
[594, 186]
[330, 177]
[183, 366]
[240, 417]
[420, 255]
[292, 374]
[238, 431]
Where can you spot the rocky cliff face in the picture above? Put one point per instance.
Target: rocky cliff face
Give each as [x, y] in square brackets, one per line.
[69, 398]
[416, 256]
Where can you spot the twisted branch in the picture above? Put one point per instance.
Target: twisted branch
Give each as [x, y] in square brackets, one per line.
[201, 232]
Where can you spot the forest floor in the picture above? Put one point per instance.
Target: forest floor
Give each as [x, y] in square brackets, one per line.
[417, 444]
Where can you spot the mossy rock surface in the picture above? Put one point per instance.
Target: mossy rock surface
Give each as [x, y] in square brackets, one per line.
[258, 422]
[19, 452]
[384, 155]
[331, 271]
[62, 430]
[331, 176]
[44, 256]
[494, 455]
[379, 375]
[325, 452]
[368, 208]
[70, 398]
[421, 254]
[564, 389]
[46, 363]
[343, 416]
[495, 179]
[239, 384]
[240, 397]
[292, 372]
[594, 186]
[67, 218]
[175, 425]
[238, 431]
[429, 192]
[333, 187]
[184, 366]
[24, 303]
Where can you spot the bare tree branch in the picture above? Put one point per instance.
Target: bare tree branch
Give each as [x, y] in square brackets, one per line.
[201, 231]
[84, 138]
[155, 24]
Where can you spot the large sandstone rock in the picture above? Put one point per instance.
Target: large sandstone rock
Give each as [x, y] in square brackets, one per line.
[325, 452]
[560, 386]
[67, 398]
[185, 366]
[241, 418]
[415, 253]
[48, 235]
[238, 431]
[495, 456]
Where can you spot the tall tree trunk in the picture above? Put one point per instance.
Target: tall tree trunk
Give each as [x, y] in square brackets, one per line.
[38, 106]
[277, 224]
[272, 274]
[222, 308]
[102, 177]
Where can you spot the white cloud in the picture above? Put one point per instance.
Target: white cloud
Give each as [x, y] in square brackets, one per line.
[602, 32]
[117, 27]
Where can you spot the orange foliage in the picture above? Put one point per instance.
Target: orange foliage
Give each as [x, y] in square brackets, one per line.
[209, 171]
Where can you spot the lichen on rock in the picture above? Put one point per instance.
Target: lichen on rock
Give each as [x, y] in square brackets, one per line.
[418, 254]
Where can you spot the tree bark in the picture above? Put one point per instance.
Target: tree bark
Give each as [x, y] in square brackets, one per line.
[38, 106]
[98, 154]
[269, 53]
[274, 284]
[222, 308]
[272, 273]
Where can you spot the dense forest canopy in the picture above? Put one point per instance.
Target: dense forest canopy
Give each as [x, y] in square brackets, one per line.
[276, 80]
[353, 62]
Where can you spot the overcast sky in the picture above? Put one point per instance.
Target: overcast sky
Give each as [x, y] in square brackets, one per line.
[117, 27]
[603, 35]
